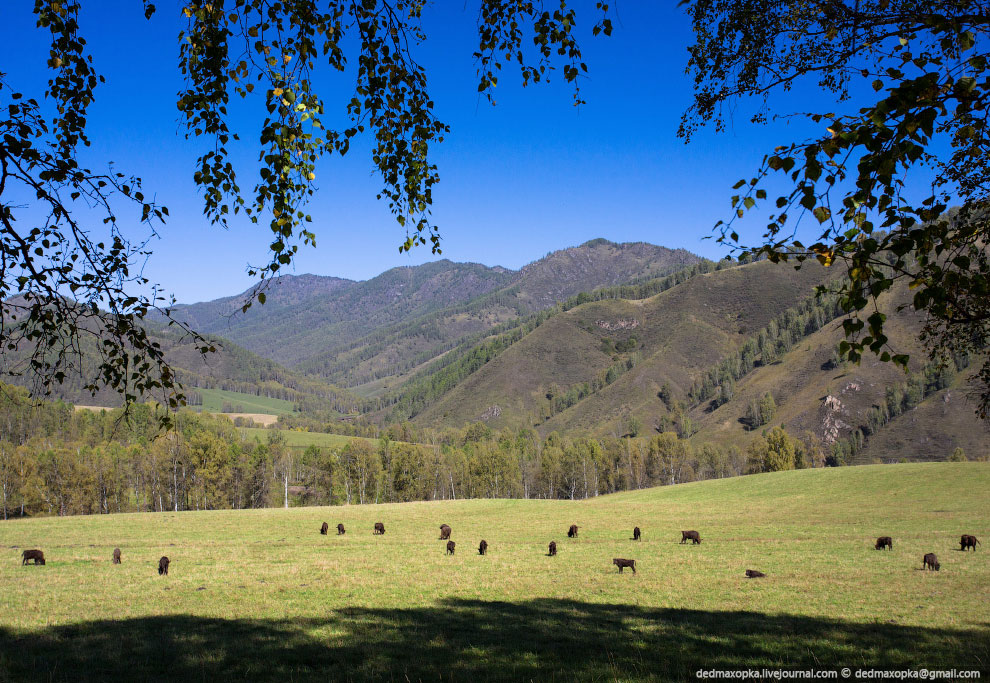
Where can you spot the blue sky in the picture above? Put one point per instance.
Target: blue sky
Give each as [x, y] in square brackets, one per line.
[520, 179]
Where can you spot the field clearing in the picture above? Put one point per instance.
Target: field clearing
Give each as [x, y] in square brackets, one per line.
[214, 401]
[259, 418]
[261, 595]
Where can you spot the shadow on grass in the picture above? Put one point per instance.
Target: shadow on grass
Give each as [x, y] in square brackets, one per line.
[471, 640]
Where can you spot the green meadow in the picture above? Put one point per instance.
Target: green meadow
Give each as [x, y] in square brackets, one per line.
[260, 594]
[221, 400]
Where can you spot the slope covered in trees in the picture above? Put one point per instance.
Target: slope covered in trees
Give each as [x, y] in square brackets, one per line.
[603, 363]
[356, 333]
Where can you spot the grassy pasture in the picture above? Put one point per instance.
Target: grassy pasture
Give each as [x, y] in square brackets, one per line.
[261, 595]
[214, 400]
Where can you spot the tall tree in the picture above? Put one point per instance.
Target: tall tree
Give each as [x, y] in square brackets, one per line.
[877, 180]
[70, 279]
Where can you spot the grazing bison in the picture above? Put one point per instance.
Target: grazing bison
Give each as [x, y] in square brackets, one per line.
[450, 547]
[340, 529]
[693, 536]
[483, 547]
[552, 550]
[753, 574]
[620, 563]
[36, 555]
[444, 532]
[324, 529]
[116, 555]
[635, 533]
[929, 561]
[884, 542]
[379, 528]
[572, 532]
[968, 541]
[163, 566]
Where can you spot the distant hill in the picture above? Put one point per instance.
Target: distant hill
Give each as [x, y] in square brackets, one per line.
[373, 333]
[815, 396]
[229, 368]
[307, 314]
[601, 368]
[668, 338]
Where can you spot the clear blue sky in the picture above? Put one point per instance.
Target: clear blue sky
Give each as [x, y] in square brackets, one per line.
[528, 176]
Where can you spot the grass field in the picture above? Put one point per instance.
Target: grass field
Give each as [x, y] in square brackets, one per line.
[261, 595]
[214, 401]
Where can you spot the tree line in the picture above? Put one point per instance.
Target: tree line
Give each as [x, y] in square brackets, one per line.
[55, 460]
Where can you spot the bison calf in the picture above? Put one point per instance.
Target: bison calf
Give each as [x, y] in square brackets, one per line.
[444, 532]
[163, 566]
[36, 555]
[929, 561]
[693, 536]
[340, 529]
[324, 529]
[753, 574]
[885, 542]
[635, 533]
[116, 555]
[450, 547]
[552, 549]
[968, 541]
[572, 532]
[621, 563]
[379, 528]
[483, 547]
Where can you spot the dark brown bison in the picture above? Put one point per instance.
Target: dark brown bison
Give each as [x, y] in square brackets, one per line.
[572, 532]
[340, 529]
[753, 574]
[450, 547]
[163, 566]
[552, 549]
[621, 563]
[968, 541]
[379, 528]
[36, 555]
[444, 532]
[635, 533]
[929, 561]
[692, 536]
[483, 547]
[116, 555]
[884, 542]
[324, 529]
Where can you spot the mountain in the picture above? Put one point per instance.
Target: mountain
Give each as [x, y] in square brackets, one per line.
[230, 368]
[307, 314]
[374, 333]
[667, 338]
[621, 365]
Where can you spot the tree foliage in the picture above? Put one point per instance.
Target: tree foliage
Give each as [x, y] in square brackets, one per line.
[71, 261]
[877, 182]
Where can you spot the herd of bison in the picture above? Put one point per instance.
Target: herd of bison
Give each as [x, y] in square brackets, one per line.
[929, 561]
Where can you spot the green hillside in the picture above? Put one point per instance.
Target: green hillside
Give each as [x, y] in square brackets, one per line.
[669, 338]
[356, 333]
[261, 595]
[230, 374]
[815, 397]
[220, 401]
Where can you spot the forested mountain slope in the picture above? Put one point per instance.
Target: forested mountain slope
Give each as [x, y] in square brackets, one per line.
[624, 351]
[372, 333]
